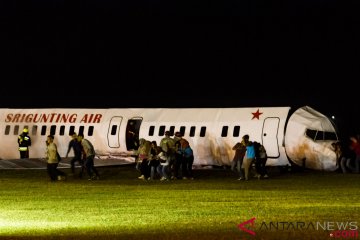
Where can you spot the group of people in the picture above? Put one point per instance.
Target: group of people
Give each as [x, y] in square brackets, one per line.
[172, 159]
[247, 153]
[84, 154]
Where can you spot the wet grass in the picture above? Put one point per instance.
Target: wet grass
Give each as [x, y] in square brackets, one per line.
[119, 206]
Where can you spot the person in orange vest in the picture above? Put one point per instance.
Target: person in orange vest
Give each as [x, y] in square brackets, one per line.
[24, 142]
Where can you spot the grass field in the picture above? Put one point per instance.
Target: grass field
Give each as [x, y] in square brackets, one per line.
[304, 205]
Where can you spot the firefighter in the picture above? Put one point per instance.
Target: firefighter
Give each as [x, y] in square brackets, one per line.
[24, 142]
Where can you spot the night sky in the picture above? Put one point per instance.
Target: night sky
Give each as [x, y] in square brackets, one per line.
[102, 54]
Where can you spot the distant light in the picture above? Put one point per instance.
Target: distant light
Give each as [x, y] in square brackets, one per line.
[333, 117]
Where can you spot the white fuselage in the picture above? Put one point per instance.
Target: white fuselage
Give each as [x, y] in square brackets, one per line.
[211, 132]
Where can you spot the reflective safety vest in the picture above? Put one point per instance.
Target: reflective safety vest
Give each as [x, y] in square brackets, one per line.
[23, 149]
[24, 143]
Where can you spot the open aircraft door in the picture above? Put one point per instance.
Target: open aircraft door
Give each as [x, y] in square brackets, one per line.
[132, 133]
[270, 136]
[114, 132]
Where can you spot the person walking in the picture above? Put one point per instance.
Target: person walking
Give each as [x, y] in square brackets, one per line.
[237, 161]
[249, 156]
[260, 160]
[143, 157]
[77, 149]
[154, 161]
[167, 145]
[24, 142]
[188, 161]
[52, 159]
[89, 151]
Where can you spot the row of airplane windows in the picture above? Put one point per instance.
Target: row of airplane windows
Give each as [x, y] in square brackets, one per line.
[162, 129]
[33, 130]
[182, 130]
[43, 130]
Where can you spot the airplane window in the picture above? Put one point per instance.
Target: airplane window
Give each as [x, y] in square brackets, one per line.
[330, 136]
[43, 130]
[236, 132]
[172, 130]
[71, 130]
[161, 130]
[113, 130]
[81, 130]
[151, 130]
[182, 130]
[224, 131]
[91, 131]
[52, 129]
[34, 130]
[192, 131]
[62, 130]
[7, 130]
[16, 130]
[321, 135]
[202, 131]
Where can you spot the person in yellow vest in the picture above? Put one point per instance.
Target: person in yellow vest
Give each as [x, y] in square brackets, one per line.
[24, 142]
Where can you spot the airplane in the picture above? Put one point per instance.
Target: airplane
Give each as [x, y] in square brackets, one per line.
[300, 137]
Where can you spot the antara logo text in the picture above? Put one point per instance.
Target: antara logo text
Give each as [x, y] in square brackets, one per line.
[52, 118]
[341, 230]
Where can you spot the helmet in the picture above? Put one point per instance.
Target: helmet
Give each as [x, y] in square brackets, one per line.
[25, 130]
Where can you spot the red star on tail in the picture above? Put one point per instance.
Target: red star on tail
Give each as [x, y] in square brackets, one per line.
[256, 114]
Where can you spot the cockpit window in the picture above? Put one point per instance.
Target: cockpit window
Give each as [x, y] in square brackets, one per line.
[321, 135]
[311, 133]
[330, 136]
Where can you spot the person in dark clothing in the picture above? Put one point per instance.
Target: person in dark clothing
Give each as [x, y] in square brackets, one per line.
[236, 164]
[260, 161]
[344, 155]
[154, 161]
[177, 164]
[77, 149]
[188, 160]
[24, 142]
